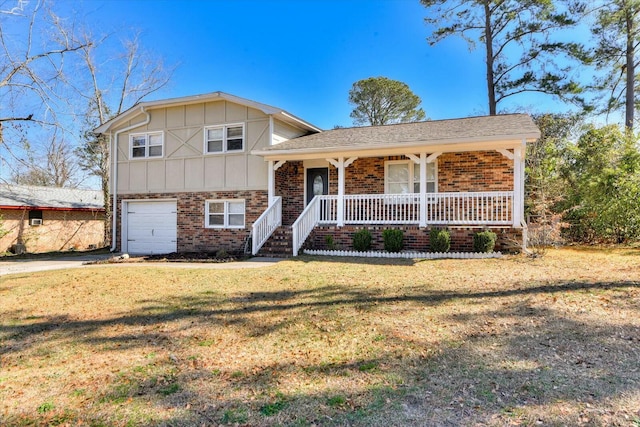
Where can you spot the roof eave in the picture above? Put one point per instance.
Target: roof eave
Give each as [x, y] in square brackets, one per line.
[395, 148]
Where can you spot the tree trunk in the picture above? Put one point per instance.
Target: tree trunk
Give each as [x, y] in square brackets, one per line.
[488, 37]
[631, 68]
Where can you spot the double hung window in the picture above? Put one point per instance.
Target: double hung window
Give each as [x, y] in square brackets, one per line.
[145, 145]
[403, 177]
[222, 139]
[224, 213]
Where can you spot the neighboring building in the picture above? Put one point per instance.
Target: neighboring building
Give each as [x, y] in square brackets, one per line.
[43, 219]
[217, 171]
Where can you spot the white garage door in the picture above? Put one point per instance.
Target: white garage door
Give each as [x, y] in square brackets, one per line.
[151, 227]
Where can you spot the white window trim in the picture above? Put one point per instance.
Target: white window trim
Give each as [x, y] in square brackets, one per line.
[411, 164]
[225, 213]
[146, 146]
[224, 138]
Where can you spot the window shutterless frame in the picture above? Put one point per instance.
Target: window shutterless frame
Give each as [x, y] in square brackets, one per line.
[405, 175]
[146, 145]
[227, 138]
[229, 213]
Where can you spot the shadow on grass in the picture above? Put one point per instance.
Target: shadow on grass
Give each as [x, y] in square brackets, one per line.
[523, 357]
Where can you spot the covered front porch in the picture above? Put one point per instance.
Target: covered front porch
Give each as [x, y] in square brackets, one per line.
[325, 181]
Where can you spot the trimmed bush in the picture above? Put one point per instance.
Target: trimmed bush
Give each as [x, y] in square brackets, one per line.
[439, 240]
[393, 240]
[362, 240]
[484, 241]
[328, 240]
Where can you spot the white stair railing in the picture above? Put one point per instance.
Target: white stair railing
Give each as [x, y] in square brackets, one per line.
[305, 223]
[266, 224]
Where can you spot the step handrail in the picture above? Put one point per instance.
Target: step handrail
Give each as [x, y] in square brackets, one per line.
[305, 223]
[266, 224]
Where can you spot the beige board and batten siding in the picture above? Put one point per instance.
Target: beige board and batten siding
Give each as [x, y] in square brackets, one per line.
[283, 132]
[184, 166]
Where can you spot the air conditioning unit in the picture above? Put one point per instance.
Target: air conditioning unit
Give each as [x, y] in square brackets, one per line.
[35, 221]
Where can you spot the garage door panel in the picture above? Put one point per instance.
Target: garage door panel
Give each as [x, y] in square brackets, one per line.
[151, 227]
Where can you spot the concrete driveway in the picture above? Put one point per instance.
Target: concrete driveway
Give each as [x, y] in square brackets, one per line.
[12, 266]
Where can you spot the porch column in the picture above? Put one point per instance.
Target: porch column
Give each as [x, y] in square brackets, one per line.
[271, 182]
[341, 164]
[518, 185]
[423, 190]
[271, 179]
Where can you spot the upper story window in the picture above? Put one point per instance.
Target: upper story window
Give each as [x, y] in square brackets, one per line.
[144, 145]
[403, 177]
[222, 139]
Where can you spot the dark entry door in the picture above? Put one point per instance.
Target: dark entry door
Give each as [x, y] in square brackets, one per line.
[317, 182]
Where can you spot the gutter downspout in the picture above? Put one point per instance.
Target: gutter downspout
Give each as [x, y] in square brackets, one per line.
[114, 175]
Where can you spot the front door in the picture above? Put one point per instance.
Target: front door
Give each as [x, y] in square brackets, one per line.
[317, 182]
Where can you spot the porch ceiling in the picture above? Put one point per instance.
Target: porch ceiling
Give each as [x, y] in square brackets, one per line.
[469, 134]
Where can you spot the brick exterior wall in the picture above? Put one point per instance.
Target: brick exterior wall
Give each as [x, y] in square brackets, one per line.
[290, 186]
[474, 171]
[60, 230]
[192, 234]
[415, 238]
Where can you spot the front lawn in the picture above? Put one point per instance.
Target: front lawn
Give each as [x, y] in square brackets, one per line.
[320, 341]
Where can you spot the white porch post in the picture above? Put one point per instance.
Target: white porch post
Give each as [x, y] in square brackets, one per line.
[340, 192]
[271, 179]
[423, 190]
[271, 184]
[518, 186]
[341, 165]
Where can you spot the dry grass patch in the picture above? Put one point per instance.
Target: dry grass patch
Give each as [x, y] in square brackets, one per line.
[315, 341]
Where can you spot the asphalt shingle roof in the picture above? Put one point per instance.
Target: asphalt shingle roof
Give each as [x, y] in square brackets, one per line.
[50, 197]
[501, 127]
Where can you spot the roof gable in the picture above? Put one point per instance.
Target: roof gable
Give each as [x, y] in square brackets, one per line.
[208, 97]
[14, 196]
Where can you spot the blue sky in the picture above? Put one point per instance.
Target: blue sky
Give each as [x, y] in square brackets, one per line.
[304, 55]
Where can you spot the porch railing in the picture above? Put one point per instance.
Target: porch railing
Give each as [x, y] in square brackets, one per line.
[478, 208]
[266, 224]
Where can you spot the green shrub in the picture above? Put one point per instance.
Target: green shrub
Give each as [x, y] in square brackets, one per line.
[328, 240]
[484, 241]
[362, 240]
[393, 240]
[440, 240]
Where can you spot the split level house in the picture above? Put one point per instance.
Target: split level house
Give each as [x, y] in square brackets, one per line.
[216, 171]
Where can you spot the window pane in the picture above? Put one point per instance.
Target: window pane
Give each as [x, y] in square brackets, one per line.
[398, 188]
[214, 134]
[416, 187]
[155, 139]
[216, 219]
[234, 144]
[138, 152]
[236, 207]
[431, 187]
[398, 173]
[214, 146]
[216, 207]
[236, 220]
[431, 171]
[139, 141]
[155, 151]
[234, 132]
[318, 186]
